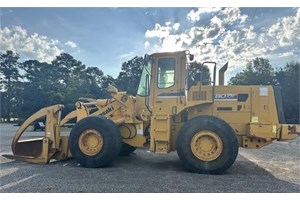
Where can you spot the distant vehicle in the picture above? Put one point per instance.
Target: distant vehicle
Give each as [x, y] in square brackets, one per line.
[38, 126]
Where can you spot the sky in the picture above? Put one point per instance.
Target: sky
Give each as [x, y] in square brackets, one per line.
[107, 37]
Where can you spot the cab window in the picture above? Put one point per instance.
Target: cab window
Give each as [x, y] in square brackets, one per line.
[166, 72]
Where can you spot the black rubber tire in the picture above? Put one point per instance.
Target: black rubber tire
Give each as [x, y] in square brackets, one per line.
[126, 149]
[216, 125]
[112, 141]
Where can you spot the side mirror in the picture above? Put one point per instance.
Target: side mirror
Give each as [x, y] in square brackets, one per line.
[191, 57]
[146, 59]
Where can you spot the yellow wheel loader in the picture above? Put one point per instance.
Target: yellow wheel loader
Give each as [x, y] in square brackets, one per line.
[205, 123]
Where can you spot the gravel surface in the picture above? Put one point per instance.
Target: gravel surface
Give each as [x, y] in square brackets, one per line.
[274, 168]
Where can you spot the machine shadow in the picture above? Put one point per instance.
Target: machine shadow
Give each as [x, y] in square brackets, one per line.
[138, 173]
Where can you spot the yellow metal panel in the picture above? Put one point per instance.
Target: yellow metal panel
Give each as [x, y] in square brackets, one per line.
[64, 151]
[161, 147]
[263, 107]
[137, 141]
[254, 143]
[254, 105]
[132, 134]
[261, 130]
[234, 117]
[289, 131]
[160, 133]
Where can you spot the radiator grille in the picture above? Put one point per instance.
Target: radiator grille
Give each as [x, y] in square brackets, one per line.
[199, 95]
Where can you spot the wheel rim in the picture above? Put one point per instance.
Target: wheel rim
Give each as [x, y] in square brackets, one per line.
[90, 142]
[206, 145]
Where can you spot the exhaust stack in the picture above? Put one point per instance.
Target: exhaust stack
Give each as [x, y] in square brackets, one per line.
[221, 74]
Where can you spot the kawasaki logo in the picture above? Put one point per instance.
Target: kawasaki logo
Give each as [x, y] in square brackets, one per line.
[108, 110]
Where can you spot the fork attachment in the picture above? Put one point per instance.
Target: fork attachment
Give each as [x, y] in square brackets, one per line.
[41, 150]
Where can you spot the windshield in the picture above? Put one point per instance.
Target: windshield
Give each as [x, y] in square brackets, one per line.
[142, 86]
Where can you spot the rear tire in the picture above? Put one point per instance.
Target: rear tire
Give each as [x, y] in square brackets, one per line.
[221, 138]
[126, 149]
[95, 141]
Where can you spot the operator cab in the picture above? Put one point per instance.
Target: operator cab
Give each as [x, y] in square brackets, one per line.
[166, 80]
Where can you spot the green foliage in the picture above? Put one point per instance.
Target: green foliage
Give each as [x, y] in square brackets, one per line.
[104, 85]
[9, 84]
[129, 78]
[41, 85]
[288, 79]
[258, 72]
[63, 81]
[198, 72]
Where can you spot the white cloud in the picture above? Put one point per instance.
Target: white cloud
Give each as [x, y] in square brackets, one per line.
[176, 26]
[228, 15]
[249, 33]
[146, 44]
[216, 20]
[228, 37]
[158, 31]
[71, 44]
[194, 16]
[126, 56]
[212, 32]
[286, 30]
[262, 39]
[231, 15]
[162, 31]
[31, 46]
[286, 54]
[172, 43]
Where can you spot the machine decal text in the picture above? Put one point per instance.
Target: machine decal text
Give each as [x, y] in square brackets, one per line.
[226, 97]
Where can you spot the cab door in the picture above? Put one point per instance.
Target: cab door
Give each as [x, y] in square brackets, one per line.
[168, 82]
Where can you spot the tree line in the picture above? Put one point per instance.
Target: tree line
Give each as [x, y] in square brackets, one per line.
[31, 85]
[28, 86]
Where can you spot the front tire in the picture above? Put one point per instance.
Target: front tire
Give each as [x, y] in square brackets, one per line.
[95, 141]
[207, 145]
